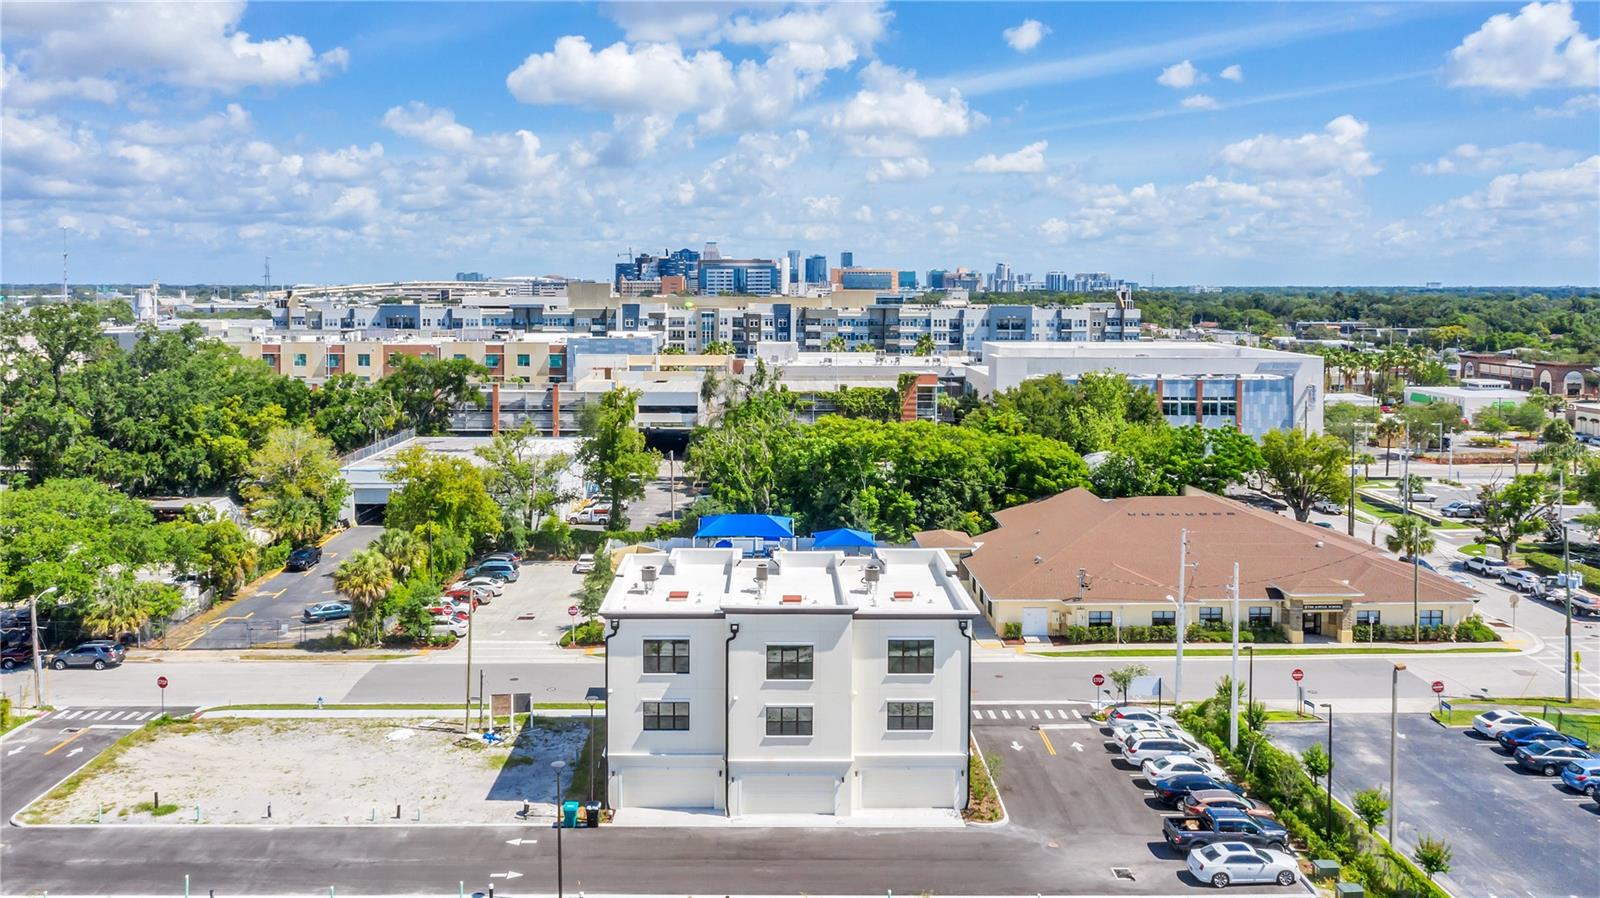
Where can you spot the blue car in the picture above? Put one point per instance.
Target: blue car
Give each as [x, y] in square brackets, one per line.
[1583, 776]
[1513, 739]
[1174, 789]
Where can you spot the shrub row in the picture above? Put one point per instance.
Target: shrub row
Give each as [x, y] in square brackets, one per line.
[1473, 629]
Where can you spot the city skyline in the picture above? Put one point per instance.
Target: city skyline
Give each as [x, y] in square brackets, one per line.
[387, 141]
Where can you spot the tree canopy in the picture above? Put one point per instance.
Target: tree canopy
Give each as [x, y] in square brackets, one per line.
[613, 453]
[1089, 415]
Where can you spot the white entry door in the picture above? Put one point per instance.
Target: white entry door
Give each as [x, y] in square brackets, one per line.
[1035, 622]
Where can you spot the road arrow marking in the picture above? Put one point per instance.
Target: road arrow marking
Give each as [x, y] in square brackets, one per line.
[509, 874]
[522, 841]
[75, 751]
[1077, 746]
[1015, 745]
[15, 750]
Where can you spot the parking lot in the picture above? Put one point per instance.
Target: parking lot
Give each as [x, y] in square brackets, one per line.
[1513, 832]
[1063, 788]
[528, 617]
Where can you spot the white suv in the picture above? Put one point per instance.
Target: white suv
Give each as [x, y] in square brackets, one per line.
[1487, 567]
[1522, 580]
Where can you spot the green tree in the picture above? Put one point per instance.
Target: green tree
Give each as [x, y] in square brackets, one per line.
[214, 549]
[876, 403]
[835, 343]
[443, 496]
[1152, 460]
[1123, 677]
[1489, 421]
[1514, 510]
[924, 346]
[427, 390]
[1389, 430]
[1371, 805]
[1316, 761]
[1433, 856]
[352, 412]
[1350, 422]
[596, 584]
[71, 534]
[613, 453]
[294, 486]
[1090, 415]
[125, 604]
[1303, 469]
[719, 347]
[407, 555]
[365, 578]
[1411, 537]
[526, 484]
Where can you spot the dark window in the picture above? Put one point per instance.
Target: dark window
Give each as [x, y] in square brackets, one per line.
[1178, 406]
[666, 715]
[788, 721]
[1261, 616]
[1432, 618]
[1099, 618]
[911, 715]
[666, 656]
[789, 662]
[1160, 618]
[364, 359]
[524, 360]
[1210, 615]
[1369, 617]
[910, 656]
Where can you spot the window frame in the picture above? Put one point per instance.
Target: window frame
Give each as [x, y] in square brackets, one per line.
[1102, 619]
[673, 658]
[797, 647]
[803, 723]
[916, 717]
[1160, 618]
[1210, 614]
[676, 711]
[1369, 616]
[1430, 614]
[916, 658]
[1260, 619]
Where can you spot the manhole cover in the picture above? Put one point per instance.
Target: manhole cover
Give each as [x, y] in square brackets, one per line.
[1052, 844]
[1122, 873]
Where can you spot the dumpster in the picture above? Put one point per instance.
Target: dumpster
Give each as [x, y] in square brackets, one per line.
[591, 813]
[569, 814]
[1349, 890]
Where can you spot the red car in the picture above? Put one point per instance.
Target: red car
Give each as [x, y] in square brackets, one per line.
[462, 593]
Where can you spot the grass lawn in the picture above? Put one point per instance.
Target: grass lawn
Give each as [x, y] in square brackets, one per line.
[1475, 550]
[1265, 651]
[1391, 516]
[1557, 712]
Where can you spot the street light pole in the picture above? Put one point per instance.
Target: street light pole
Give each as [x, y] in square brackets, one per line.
[1566, 568]
[1233, 673]
[1327, 816]
[1394, 725]
[1183, 572]
[39, 660]
[556, 766]
[466, 700]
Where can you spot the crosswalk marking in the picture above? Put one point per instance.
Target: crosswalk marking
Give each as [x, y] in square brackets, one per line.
[147, 715]
[1006, 714]
[991, 715]
[977, 714]
[1035, 714]
[1049, 714]
[1079, 714]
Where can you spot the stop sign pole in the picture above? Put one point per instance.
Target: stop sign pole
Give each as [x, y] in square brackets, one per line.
[1438, 689]
[161, 683]
[1098, 680]
[1300, 691]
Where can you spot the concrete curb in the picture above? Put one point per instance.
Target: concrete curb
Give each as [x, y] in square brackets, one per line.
[1005, 815]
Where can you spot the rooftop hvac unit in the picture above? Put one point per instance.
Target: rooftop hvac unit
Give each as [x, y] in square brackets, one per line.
[872, 574]
[647, 575]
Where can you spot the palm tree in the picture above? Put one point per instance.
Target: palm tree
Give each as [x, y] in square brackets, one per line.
[406, 554]
[1411, 537]
[1388, 430]
[120, 607]
[364, 578]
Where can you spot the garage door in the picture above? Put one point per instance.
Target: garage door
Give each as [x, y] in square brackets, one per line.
[787, 794]
[669, 788]
[907, 789]
[1035, 622]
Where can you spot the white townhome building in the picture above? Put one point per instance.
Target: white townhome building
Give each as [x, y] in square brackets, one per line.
[810, 682]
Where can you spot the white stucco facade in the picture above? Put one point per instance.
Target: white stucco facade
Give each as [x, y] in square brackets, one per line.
[783, 698]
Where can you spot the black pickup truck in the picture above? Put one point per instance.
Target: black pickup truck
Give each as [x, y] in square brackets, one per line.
[1223, 825]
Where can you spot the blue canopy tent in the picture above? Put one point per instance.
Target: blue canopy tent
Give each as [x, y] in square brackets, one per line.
[843, 538]
[755, 528]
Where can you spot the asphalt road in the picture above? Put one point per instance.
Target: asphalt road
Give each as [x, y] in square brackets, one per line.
[36, 757]
[1513, 833]
[272, 612]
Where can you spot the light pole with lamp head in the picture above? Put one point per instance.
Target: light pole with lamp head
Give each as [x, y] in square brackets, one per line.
[1327, 816]
[1394, 725]
[1177, 679]
[38, 659]
[556, 766]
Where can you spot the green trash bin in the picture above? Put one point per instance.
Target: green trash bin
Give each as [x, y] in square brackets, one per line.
[569, 814]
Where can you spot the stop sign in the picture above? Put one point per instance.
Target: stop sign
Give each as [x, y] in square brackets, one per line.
[1099, 680]
[572, 610]
[161, 682]
[1297, 674]
[1438, 686]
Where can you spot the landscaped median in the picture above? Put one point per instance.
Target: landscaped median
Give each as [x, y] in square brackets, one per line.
[304, 769]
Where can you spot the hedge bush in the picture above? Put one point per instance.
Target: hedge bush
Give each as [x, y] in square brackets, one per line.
[273, 557]
[1551, 564]
[1473, 629]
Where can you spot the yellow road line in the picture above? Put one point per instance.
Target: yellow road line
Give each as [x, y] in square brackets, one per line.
[66, 740]
[1047, 746]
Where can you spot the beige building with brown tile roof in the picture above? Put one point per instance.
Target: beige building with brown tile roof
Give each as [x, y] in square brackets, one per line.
[1077, 560]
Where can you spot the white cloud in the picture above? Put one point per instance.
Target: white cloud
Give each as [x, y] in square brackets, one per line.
[622, 78]
[195, 45]
[347, 164]
[1199, 101]
[1472, 159]
[1026, 160]
[822, 206]
[1540, 46]
[1232, 73]
[1026, 36]
[862, 214]
[1551, 212]
[435, 128]
[914, 168]
[1181, 76]
[233, 119]
[1571, 108]
[22, 91]
[1339, 149]
[894, 109]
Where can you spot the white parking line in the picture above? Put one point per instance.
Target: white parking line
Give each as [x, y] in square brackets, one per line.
[1006, 714]
[991, 715]
[977, 714]
[1034, 713]
[1079, 714]
[67, 715]
[1049, 714]
[147, 715]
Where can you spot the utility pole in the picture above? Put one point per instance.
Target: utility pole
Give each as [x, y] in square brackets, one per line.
[1566, 568]
[38, 658]
[1183, 571]
[1394, 725]
[466, 702]
[1233, 674]
[1416, 562]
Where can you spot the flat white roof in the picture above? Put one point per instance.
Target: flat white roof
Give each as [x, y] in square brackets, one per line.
[1136, 349]
[715, 582]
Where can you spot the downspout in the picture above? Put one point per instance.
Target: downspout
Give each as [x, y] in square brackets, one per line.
[966, 801]
[727, 715]
[616, 624]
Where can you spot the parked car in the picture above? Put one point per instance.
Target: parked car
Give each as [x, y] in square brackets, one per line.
[1121, 728]
[1493, 723]
[304, 558]
[1327, 506]
[504, 570]
[512, 558]
[1226, 863]
[1172, 765]
[1137, 749]
[1223, 825]
[325, 611]
[1174, 789]
[1418, 496]
[1549, 757]
[1134, 713]
[1511, 740]
[16, 655]
[585, 563]
[488, 586]
[1485, 567]
[456, 628]
[453, 606]
[1522, 580]
[1461, 510]
[594, 514]
[1582, 776]
[1197, 801]
[98, 655]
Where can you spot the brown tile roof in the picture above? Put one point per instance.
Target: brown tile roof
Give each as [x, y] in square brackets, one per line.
[943, 539]
[1128, 551]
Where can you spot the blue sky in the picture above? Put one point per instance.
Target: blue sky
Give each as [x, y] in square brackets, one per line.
[1194, 143]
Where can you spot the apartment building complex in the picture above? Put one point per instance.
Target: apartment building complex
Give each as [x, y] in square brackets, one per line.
[809, 682]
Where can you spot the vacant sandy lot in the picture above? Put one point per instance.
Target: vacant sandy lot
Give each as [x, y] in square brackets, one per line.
[318, 772]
